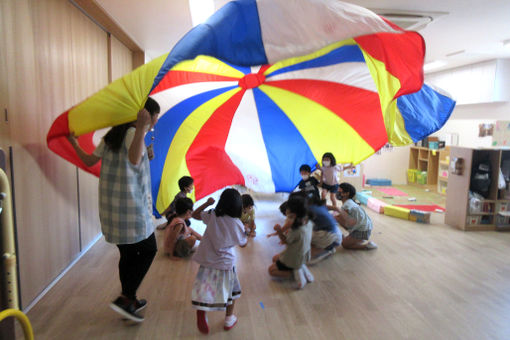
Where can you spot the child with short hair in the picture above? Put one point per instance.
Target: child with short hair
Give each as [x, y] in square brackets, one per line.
[329, 176]
[291, 262]
[308, 183]
[248, 216]
[326, 235]
[186, 187]
[353, 218]
[216, 285]
[179, 238]
[283, 209]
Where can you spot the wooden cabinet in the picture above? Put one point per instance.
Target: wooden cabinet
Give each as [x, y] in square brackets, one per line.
[443, 170]
[425, 161]
[485, 214]
[52, 56]
[503, 219]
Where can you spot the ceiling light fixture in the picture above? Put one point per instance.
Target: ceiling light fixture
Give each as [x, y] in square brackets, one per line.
[409, 20]
[455, 53]
[200, 10]
[433, 65]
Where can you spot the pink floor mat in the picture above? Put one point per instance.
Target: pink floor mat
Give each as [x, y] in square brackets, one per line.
[422, 207]
[392, 192]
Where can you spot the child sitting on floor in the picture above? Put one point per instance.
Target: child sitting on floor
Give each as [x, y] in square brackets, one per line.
[248, 216]
[179, 238]
[291, 262]
[186, 186]
[283, 209]
[326, 236]
[353, 218]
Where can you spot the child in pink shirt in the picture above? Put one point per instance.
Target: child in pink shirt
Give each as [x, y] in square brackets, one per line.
[179, 238]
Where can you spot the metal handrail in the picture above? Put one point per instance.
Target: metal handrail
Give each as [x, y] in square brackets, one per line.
[22, 318]
[10, 278]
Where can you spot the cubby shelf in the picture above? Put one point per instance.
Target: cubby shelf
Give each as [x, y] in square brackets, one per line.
[424, 159]
[493, 211]
[442, 170]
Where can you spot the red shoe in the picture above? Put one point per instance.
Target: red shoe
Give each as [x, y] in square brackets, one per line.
[230, 322]
[202, 325]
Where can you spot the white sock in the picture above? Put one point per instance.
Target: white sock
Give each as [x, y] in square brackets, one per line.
[299, 276]
[308, 275]
[230, 320]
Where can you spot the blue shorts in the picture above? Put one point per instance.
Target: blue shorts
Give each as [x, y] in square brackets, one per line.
[331, 188]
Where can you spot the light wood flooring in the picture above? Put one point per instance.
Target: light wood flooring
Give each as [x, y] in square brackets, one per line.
[424, 282]
[419, 194]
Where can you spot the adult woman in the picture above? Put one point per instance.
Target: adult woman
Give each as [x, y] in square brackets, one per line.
[125, 202]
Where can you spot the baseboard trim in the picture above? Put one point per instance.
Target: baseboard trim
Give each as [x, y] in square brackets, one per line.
[55, 281]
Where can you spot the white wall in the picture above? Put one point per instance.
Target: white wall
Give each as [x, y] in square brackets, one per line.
[466, 118]
[389, 164]
[464, 121]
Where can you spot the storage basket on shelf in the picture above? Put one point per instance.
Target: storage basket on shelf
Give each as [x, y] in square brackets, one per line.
[421, 177]
[411, 175]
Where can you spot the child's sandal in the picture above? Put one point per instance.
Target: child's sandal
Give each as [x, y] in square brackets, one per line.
[230, 322]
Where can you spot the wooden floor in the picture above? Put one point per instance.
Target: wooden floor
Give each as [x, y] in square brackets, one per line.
[416, 194]
[424, 282]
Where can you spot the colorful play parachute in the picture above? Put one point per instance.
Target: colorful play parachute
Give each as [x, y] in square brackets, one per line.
[263, 87]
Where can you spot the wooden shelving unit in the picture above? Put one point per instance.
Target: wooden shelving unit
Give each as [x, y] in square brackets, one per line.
[458, 212]
[503, 220]
[443, 170]
[424, 159]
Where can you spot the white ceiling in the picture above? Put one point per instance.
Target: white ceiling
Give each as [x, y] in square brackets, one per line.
[474, 26]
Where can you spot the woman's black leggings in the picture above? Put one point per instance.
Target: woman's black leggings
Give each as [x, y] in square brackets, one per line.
[135, 260]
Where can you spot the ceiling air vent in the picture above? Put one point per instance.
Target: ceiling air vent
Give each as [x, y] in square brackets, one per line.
[409, 20]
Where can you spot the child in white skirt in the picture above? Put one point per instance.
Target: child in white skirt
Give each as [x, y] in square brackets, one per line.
[216, 285]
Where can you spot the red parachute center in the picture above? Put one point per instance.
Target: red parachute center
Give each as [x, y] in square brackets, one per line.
[252, 80]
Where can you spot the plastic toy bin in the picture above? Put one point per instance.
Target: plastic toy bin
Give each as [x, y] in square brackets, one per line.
[411, 175]
[421, 177]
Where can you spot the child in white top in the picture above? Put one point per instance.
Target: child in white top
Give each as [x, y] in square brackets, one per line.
[353, 218]
[329, 176]
[216, 285]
